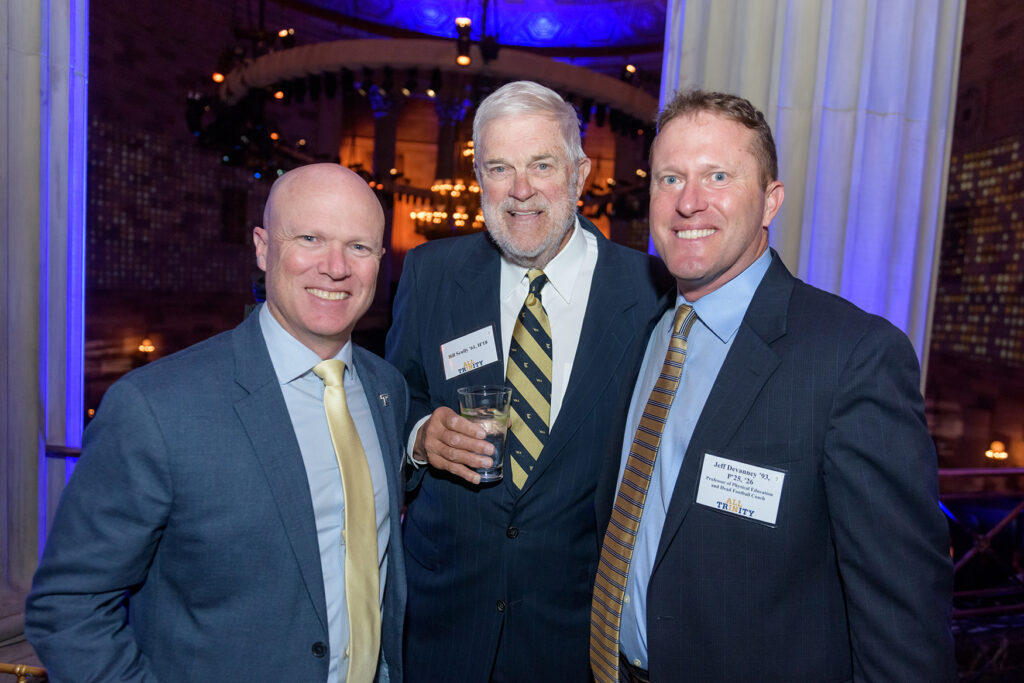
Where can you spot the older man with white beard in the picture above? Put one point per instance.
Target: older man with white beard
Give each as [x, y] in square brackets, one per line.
[500, 574]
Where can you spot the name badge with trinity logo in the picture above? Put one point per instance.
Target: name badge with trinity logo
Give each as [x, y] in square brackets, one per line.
[740, 489]
[469, 352]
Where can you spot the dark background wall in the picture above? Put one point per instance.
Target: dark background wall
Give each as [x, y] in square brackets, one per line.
[975, 386]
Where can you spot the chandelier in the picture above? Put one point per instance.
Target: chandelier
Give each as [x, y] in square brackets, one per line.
[454, 205]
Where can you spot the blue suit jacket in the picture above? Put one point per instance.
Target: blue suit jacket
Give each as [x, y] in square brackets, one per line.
[191, 495]
[486, 563]
[854, 580]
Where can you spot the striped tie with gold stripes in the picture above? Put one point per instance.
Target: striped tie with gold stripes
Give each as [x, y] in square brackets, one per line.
[617, 550]
[529, 375]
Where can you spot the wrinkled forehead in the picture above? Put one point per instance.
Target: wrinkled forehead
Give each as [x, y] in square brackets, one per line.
[542, 136]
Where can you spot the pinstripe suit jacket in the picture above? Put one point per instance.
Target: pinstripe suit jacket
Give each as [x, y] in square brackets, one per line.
[854, 580]
[489, 564]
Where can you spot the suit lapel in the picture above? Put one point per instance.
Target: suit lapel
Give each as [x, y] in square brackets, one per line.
[476, 304]
[264, 416]
[608, 330]
[386, 434]
[747, 367]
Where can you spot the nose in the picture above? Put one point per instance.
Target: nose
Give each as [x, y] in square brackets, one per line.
[335, 262]
[691, 199]
[521, 189]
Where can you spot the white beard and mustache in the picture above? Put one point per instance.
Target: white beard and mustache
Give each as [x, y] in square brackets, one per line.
[559, 218]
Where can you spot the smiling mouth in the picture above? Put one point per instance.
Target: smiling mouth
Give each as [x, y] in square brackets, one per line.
[330, 296]
[694, 234]
[525, 213]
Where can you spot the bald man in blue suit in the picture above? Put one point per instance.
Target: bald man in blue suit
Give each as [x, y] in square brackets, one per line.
[199, 536]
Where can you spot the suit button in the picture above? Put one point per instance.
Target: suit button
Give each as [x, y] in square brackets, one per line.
[319, 649]
[512, 532]
[501, 605]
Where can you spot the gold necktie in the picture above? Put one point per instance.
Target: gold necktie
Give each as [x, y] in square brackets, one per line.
[362, 572]
[529, 376]
[619, 539]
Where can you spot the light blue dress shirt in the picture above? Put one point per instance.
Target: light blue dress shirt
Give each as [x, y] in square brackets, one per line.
[719, 315]
[304, 396]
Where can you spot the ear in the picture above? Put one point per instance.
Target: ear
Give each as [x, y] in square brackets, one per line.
[581, 182]
[259, 238]
[773, 196]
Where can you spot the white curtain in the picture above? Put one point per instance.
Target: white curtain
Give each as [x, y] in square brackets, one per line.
[860, 95]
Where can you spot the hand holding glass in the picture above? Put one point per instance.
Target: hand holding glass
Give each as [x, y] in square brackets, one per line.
[488, 407]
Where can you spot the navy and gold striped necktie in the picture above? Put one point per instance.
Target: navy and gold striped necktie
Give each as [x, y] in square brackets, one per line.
[529, 375]
[619, 539]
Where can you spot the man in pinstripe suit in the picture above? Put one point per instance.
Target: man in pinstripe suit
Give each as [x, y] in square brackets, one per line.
[500, 575]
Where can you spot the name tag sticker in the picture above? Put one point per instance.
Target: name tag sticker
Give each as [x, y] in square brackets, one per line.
[739, 489]
[469, 352]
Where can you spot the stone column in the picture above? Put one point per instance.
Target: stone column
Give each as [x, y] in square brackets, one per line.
[450, 113]
[45, 62]
[385, 127]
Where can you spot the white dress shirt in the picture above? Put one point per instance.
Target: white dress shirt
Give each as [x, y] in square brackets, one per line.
[304, 397]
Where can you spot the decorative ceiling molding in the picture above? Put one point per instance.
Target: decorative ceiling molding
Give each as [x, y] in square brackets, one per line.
[427, 54]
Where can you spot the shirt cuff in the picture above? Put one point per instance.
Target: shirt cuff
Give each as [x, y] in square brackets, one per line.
[409, 457]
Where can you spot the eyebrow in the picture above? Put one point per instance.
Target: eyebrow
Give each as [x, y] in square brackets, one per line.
[533, 159]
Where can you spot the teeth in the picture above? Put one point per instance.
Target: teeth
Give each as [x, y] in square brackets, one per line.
[694, 234]
[324, 294]
[524, 213]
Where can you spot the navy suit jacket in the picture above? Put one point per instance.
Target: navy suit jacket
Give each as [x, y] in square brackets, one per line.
[854, 580]
[192, 497]
[487, 563]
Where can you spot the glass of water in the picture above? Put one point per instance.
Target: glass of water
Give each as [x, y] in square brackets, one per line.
[488, 406]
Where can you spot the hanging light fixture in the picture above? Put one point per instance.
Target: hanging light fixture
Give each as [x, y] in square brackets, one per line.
[462, 27]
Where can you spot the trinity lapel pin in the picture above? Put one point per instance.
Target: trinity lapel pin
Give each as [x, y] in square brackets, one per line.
[384, 398]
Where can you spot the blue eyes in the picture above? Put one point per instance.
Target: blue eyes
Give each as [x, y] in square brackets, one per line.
[718, 177]
[539, 167]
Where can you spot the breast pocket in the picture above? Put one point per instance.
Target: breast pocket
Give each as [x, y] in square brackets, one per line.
[769, 453]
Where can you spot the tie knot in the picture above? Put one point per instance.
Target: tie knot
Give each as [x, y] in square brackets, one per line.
[683, 316]
[330, 371]
[537, 281]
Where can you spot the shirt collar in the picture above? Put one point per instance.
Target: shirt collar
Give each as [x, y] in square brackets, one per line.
[561, 270]
[291, 358]
[722, 310]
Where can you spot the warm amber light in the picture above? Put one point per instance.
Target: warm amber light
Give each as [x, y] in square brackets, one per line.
[217, 77]
[997, 451]
[630, 68]
[463, 60]
[274, 136]
[463, 22]
[147, 346]
[279, 95]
